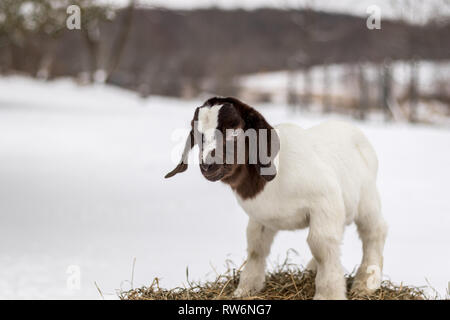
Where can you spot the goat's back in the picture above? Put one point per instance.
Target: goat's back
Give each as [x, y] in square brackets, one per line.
[333, 155]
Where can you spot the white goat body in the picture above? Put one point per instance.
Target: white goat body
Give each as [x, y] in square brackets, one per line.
[326, 179]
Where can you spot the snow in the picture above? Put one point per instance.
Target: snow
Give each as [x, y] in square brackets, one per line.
[81, 183]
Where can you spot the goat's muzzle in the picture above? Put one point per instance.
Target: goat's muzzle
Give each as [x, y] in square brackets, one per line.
[212, 172]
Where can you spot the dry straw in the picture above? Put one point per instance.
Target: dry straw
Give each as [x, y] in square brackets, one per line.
[286, 282]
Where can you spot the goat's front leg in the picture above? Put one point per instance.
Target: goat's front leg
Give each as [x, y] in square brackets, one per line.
[259, 241]
[324, 240]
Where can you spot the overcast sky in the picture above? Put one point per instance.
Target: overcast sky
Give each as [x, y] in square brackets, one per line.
[419, 10]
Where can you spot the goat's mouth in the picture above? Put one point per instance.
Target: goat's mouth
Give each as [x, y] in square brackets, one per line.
[213, 176]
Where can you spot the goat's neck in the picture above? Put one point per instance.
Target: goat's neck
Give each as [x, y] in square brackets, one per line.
[246, 181]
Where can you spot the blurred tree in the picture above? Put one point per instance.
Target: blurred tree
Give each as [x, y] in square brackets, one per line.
[413, 90]
[363, 91]
[427, 14]
[92, 14]
[160, 51]
[29, 31]
[23, 27]
[120, 40]
[327, 90]
[386, 88]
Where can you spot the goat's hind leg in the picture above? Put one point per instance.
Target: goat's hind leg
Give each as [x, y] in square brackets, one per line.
[372, 230]
[259, 241]
[312, 265]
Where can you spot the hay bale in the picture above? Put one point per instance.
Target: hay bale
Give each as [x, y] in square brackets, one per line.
[285, 283]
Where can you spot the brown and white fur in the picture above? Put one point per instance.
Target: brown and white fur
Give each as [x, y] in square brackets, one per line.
[325, 179]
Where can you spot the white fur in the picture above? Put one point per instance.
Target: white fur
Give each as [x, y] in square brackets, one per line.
[326, 179]
[208, 118]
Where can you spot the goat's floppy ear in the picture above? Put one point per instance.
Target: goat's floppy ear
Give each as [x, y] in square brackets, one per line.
[182, 166]
[268, 148]
[268, 141]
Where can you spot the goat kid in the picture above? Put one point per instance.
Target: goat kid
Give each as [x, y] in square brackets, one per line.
[323, 178]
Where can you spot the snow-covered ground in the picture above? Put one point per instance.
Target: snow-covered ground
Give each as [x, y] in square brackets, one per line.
[81, 183]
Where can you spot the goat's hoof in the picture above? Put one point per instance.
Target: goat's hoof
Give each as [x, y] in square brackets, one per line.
[312, 265]
[322, 297]
[334, 296]
[240, 293]
[319, 297]
[360, 289]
